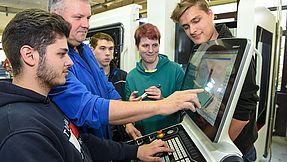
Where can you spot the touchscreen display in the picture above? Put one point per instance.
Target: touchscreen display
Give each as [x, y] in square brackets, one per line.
[213, 67]
[212, 74]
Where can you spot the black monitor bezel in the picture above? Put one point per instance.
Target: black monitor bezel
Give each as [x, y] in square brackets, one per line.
[230, 44]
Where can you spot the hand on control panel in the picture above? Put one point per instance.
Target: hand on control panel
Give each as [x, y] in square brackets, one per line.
[132, 131]
[149, 152]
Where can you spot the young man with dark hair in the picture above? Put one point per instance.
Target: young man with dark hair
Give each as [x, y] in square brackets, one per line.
[103, 45]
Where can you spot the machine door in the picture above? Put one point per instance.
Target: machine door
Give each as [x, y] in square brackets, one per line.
[281, 99]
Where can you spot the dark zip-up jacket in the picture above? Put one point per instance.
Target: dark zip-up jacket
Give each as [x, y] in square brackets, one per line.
[246, 105]
[33, 129]
[118, 78]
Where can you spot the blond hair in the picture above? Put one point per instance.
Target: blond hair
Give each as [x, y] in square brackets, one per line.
[183, 5]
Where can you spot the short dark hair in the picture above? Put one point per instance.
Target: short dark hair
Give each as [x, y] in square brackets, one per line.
[100, 36]
[34, 27]
[146, 30]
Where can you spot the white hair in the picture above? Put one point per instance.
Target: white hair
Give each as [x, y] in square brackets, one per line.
[58, 6]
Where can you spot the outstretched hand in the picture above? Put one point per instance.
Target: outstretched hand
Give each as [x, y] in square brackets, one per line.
[181, 100]
[147, 152]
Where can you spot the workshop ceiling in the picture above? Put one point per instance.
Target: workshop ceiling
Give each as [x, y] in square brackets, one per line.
[8, 8]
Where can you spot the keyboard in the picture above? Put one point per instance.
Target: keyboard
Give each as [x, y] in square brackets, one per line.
[179, 153]
[178, 140]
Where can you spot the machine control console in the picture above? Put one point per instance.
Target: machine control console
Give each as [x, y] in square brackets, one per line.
[178, 140]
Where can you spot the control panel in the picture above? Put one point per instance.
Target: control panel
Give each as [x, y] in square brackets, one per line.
[178, 140]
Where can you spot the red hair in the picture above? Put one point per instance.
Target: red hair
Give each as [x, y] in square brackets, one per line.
[146, 31]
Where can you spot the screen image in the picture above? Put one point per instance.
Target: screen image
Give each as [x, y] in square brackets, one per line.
[213, 67]
[208, 75]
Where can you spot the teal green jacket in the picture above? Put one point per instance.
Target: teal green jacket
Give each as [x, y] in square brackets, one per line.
[169, 75]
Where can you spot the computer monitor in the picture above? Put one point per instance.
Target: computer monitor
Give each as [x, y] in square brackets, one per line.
[214, 67]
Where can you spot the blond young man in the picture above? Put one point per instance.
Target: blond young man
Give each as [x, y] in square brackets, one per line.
[196, 18]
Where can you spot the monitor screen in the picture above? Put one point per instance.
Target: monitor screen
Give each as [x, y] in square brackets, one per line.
[214, 67]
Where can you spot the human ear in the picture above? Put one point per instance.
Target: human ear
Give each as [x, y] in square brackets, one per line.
[210, 13]
[28, 55]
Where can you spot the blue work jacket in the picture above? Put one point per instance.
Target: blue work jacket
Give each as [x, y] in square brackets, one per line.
[86, 94]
